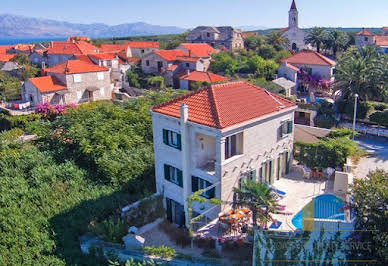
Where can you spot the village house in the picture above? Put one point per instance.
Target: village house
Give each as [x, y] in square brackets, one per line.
[366, 38]
[217, 36]
[131, 49]
[214, 138]
[293, 33]
[187, 78]
[71, 82]
[21, 49]
[312, 62]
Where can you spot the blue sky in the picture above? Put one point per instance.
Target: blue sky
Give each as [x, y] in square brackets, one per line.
[190, 13]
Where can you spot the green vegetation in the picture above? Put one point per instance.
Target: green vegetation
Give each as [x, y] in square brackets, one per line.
[380, 118]
[370, 203]
[364, 72]
[331, 151]
[325, 115]
[162, 251]
[83, 166]
[110, 230]
[156, 82]
[333, 40]
[9, 87]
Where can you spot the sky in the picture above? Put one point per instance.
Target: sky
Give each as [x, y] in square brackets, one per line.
[191, 13]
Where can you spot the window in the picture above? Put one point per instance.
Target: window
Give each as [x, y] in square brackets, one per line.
[147, 62]
[286, 128]
[102, 91]
[174, 175]
[309, 70]
[208, 34]
[233, 145]
[77, 78]
[142, 51]
[199, 184]
[172, 139]
[100, 75]
[366, 39]
[187, 65]
[79, 95]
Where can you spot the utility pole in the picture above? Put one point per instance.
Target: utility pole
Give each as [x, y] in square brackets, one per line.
[355, 114]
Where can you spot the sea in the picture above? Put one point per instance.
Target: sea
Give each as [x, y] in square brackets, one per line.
[11, 41]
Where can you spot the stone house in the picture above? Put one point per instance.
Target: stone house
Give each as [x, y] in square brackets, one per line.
[71, 82]
[140, 49]
[366, 38]
[187, 78]
[225, 36]
[200, 50]
[314, 63]
[213, 139]
[293, 33]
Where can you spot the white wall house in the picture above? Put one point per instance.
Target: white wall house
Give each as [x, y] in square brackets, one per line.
[215, 137]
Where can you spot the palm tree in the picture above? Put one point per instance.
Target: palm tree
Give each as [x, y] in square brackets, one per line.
[277, 40]
[336, 41]
[316, 37]
[254, 196]
[362, 72]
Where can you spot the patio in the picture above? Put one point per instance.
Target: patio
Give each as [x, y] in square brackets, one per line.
[299, 191]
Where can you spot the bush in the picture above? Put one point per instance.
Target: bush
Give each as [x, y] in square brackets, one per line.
[363, 109]
[110, 230]
[161, 251]
[8, 122]
[380, 118]
[325, 121]
[133, 79]
[148, 211]
[380, 106]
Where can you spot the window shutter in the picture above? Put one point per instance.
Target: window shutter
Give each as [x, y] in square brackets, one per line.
[169, 209]
[165, 141]
[194, 184]
[262, 174]
[179, 138]
[166, 172]
[253, 175]
[288, 162]
[280, 166]
[281, 131]
[180, 179]
[271, 178]
[290, 127]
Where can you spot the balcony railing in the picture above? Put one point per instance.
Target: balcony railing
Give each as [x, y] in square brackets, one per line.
[209, 166]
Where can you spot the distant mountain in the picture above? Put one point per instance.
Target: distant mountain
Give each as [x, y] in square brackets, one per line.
[251, 28]
[12, 26]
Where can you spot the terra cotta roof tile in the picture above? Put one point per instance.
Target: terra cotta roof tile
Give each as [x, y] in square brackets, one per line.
[75, 66]
[46, 84]
[308, 57]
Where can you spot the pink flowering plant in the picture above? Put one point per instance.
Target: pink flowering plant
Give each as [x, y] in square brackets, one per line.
[52, 111]
[314, 81]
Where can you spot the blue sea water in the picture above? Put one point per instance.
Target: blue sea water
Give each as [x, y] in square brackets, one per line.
[325, 207]
[11, 41]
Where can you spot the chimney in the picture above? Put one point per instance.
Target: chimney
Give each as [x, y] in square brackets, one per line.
[189, 53]
[184, 112]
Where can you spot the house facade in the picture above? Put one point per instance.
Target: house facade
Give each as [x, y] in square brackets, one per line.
[72, 82]
[213, 139]
[366, 38]
[293, 33]
[314, 63]
[225, 36]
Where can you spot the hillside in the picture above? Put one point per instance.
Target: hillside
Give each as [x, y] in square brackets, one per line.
[17, 26]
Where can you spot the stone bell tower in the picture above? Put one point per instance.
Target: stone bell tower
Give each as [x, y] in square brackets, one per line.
[293, 16]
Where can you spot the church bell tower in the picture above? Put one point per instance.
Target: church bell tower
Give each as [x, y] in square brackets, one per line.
[293, 16]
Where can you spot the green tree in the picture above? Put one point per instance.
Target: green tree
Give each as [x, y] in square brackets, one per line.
[277, 40]
[21, 59]
[133, 79]
[254, 42]
[266, 52]
[262, 67]
[364, 72]
[254, 196]
[371, 208]
[316, 37]
[337, 41]
[281, 55]
[9, 87]
[157, 81]
[223, 62]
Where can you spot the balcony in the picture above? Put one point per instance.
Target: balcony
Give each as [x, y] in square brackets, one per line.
[205, 153]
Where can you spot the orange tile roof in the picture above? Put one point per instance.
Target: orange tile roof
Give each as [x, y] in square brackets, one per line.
[4, 48]
[170, 55]
[24, 47]
[283, 30]
[84, 58]
[6, 57]
[46, 84]
[142, 44]
[75, 48]
[172, 67]
[248, 33]
[203, 77]
[75, 66]
[199, 49]
[187, 58]
[105, 56]
[365, 32]
[382, 40]
[292, 67]
[86, 48]
[133, 59]
[224, 105]
[308, 57]
[78, 38]
[113, 48]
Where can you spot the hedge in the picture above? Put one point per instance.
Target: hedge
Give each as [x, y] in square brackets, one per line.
[380, 118]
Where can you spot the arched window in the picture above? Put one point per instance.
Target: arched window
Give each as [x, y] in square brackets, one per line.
[294, 47]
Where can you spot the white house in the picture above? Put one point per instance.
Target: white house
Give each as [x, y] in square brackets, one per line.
[293, 33]
[215, 137]
[314, 63]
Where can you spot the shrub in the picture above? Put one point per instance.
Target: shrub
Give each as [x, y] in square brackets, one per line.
[110, 230]
[380, 107]
[133, 79]
[18, 121]
[148, 211]
[380, 118]
[161, 251]
[325, 121]
[363, 109]
[50, 112]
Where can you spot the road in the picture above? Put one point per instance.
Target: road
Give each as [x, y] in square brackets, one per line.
[377, 157]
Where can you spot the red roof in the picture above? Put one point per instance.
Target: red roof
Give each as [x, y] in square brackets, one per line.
[78, 38]
[113, 48]
[308, 57]
[365, 32]
[293, 5]
[292, 67]
[172, 67]
[6, 57]
[75, 66]
[199, 49]
[224, 105]
[187, 58]
[105, 56]
[170, 55]
[79, 47]
[4, 48]
[283, 30]
[382, 40]
[46, 84]
[142, 44]
[203, 77]
[84, 58]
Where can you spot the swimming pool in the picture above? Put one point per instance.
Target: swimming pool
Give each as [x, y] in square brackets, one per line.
[326, 206]
[317, 100]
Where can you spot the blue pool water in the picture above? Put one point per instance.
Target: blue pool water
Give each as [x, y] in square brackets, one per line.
[317, 100]
[325, 207]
